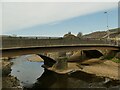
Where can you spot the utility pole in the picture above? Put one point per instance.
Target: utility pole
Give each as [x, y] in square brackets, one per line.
[108, 32]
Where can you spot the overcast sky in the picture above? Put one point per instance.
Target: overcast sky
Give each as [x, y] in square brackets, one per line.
[57, 18]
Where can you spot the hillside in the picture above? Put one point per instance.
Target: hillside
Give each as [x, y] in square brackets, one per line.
[104, 34]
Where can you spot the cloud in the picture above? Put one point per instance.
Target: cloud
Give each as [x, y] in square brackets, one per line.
[59, 0]
[21, 15]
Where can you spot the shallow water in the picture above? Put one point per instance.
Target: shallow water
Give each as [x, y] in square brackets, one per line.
[25, 71]
[32, 75]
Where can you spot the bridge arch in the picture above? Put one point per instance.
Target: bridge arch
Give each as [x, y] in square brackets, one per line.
[92, 53]
[47, 60]
[60, 64]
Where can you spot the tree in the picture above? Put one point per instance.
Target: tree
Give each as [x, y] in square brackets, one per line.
[69, 33]
[79, 34]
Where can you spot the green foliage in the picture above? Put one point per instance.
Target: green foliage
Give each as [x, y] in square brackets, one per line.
[65, 58]
[109, 57]
[116, 60]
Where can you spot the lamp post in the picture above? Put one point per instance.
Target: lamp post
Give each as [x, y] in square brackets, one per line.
[108, 32]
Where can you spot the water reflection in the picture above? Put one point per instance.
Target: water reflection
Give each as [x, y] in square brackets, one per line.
[33, 76]
[50, 79]
[27, 72]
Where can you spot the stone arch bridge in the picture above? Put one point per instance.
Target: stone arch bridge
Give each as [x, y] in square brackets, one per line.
[17, 51]
[17, 47]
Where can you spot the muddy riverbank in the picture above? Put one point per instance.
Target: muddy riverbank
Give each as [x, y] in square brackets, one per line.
[79, 80]
[106, 68]
[8, 82]
[92, 73]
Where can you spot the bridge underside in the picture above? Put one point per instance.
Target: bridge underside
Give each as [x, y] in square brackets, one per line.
[61, 63]
[36, 50]
[92, 53]
[49, 61]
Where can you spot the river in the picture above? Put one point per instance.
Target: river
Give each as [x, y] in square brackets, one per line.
[32, 75]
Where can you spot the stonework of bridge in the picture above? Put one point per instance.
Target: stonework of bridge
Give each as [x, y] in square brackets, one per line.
[22, 46]
[12, 42]
[17, 51]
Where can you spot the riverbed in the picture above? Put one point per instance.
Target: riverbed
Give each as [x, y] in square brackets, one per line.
[32, 76]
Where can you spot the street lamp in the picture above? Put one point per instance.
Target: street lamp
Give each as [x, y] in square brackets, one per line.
[108, 32]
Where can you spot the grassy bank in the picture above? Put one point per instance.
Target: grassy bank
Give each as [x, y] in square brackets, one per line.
[116, 60]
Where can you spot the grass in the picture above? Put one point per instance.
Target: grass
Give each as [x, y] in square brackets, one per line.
[108, 57]
[116, 60]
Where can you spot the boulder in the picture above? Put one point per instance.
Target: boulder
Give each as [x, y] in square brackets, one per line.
[61, 64]
[117, 55]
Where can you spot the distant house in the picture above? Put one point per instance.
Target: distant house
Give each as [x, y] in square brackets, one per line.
[69, 36]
